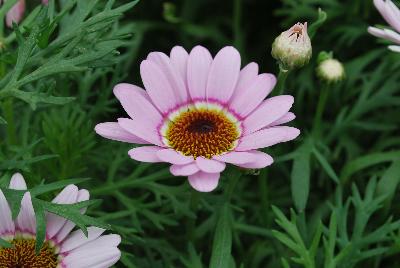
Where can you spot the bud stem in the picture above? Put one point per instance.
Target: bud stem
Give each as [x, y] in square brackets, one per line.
[323, 96]
[280, 87]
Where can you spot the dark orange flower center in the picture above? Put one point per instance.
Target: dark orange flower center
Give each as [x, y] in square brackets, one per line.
[202, 132]
[22, 255]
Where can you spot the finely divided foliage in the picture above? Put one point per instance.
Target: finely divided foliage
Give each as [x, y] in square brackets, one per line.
[330, 198]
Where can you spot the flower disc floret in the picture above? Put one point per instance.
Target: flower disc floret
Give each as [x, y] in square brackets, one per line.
[201, 132]
[22, 254]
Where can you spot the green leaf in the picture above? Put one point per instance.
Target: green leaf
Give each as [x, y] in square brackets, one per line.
[3, 121]
[5, 244]
[367, 161]
[322, 16]
[387, 185]
[325, 165]
[330, 243]
[300, 177]
[14, 198]
[45, 188]
[40, 217]
[33, 98]
[221, 251]
[72, 212]
[316, 240]
[285, 263]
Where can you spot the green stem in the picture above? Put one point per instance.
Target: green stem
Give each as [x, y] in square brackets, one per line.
[233, 180]
[9, 117]
[191, 223]
[280, 86]
[237, 22]
[323, 96]
[109, 188]
[222, 244]
[264, 196]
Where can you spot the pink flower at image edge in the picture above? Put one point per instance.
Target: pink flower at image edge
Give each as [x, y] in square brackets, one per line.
[391, 13]
[71, 249]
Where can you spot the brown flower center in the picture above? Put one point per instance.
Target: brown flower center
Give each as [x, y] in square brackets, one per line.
[202, 132]
[22, 255]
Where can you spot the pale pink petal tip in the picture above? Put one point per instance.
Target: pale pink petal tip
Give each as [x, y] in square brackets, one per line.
[204, 182]
[394, 48]
[184, 170]
[112, 131]
[17, 182]
[45, 2]
[16, 13]
[261, 160]
[145, 154]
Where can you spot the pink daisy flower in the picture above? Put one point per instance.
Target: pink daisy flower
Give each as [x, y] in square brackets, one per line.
[199, 113]
[62, 248]
[391, 13]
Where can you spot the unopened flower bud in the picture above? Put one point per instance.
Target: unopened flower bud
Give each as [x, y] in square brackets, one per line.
[330, 70]
[292, 48]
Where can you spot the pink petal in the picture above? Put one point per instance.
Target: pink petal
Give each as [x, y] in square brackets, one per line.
[141, 128]
[262, 160]
[204, 182]
[145, 154]
[283, 120]
[246, 77]
[96, 257]
[224, 74]
[112, 131]
[184, 170]
[16, 13]
[6, 223]
[198, 68]
[26, 221]
[45, 2]
[381, 7]
[210, 165]
[377, 32]
[245, 101]
[385, 33]
[174, 157]
[83, 195]
[17, 182]
[392, 36]
[392, 14]
[158, 86]
[179, 58]
[236, 158]
[77, 239]
[173, 76]
[137, 104]
[68, 195]
[267, 137]
[269, 111]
